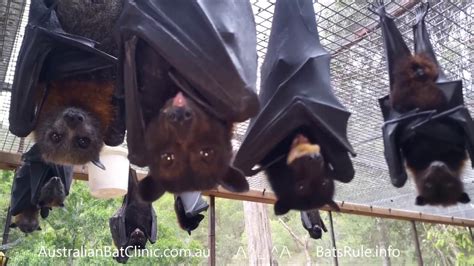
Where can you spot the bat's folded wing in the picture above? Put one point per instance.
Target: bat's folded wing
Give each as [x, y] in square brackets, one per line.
[117, 227]
[47, 53]
[397, 126]
[305, 100]
[211, 46]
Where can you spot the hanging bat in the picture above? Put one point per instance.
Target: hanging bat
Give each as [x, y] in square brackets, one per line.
[37, 187]
[300, 115]
[27, 220]
[313, 223]
[188, 206]
[63, 87]
[185, 82]
[52, 193]
[302, 180]
[134, 223]
[427, 131]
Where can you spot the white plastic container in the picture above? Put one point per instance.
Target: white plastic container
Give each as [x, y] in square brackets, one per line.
[113, 181]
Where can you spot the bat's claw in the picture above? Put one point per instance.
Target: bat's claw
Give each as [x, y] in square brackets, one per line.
[421, 11]
[377, 7]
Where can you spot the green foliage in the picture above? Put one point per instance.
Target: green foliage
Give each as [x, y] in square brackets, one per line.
[84, 222]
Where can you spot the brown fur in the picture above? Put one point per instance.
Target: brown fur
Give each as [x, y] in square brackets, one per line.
[93, 96]
[73, 120]
[412, 91]
[190, 170]
[27, 221]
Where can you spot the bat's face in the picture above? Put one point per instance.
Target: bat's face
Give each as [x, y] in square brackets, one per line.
[69, 136]
[310, 187]
[52, 193]
[189, 149]
[316, 232]
[137, 239]
[438, 184]
[27, 222]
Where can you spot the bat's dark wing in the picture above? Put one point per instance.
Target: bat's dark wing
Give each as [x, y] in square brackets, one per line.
[312, 222]
[193, 203]
[133, 195]
[395, 46]
[211, 48]
[21, 192]
[422, 38]
[48, 53]
[117, 227]
[398, 125]
[188, 208]
[296, 92]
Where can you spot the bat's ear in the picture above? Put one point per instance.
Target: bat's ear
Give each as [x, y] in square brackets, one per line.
[234, 181]
[464, 198]
[44, 212]
[420, 201]
[280, 208]
[13, 225]
[150, 189]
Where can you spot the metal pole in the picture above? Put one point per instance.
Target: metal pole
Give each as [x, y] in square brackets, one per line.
[333, 239]
[212, 232]
[6, 229]
[417, 243]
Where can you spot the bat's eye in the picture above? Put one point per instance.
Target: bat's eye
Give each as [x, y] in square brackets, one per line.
[167, 158]
[83, 142]
[55, 137]
[206, 154]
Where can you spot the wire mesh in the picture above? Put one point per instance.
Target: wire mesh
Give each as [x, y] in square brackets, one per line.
[350, 33]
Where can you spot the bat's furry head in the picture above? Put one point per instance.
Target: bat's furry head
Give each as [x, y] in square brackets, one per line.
[27, 221]
[438, 184]
[137, 239]
[52, 193]
[437, 166]
[301, 182]
[73, 121]
[315, 232]
[415, 85]
[189, 150]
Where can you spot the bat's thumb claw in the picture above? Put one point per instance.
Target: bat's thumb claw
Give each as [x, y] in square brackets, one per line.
[98, 163]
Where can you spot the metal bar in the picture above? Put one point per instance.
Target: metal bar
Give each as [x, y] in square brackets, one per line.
[333, 240]
[212, 231]
[9, 161]
[6, 228]
[417, 243]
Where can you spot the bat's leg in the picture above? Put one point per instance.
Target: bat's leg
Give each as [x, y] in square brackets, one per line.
[395, 46]
[422, 39]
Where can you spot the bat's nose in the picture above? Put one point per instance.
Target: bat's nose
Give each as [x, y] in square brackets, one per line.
[73, 118]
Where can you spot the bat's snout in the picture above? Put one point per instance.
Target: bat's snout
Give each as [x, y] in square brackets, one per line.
[179, 100]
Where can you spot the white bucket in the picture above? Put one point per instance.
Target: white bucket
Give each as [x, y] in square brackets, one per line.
[113, 181]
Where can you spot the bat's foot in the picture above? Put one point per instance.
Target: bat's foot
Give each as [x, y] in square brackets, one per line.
[421, 11]
[377, 7]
